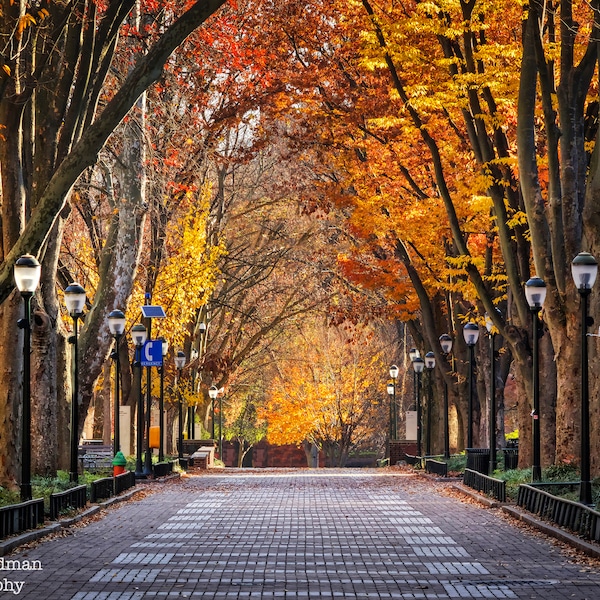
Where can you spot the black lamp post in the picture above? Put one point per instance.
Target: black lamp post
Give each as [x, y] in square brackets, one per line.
[584, 269]
[116, 324]
[430, 364]
[446, 344]
[194, 354]
[179, 364]
[391, 390]
[213, 392]
[413, 353]
[471, 335]
[535, 292]
[27, 273]
[393, 406]
[75, 301]
[418, 365]
[489, 325]
[161, 402]
[139, 335]
[221, 427]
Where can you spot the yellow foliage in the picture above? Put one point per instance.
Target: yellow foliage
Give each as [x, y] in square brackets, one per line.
[325, 389]
[189, 273]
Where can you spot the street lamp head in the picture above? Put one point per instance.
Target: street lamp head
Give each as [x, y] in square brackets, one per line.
[471, 333]
[418, 364]
[74, 299]
[27, 273]
[213, 392]
[413, 354]
[446, 343]
[394, 372]
[584, 269]
[390, 389]
[139, 334]
[116, 322]
[430, 360]
[535, 292]
[165, 346]
[489, 324]
[180, 360]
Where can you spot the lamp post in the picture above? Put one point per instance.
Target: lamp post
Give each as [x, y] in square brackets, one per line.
[584, 269]
[535, 292]
[194, 354]
[393, 407]
[391, 390]
[116, 324]
[179, 364]
[430, 364]
[446, 344]
[139, 335]
[221, 427]
[75, 301]
[213, 392]
[418, 364]
[471, 335]
[489, 325]
[27, 273]
[161, 402]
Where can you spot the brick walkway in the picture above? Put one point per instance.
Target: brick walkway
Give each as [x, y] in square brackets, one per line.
[304, 534]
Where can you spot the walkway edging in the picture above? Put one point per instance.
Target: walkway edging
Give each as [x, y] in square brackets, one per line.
[10, 544]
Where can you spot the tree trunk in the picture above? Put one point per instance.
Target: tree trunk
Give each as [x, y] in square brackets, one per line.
[11, 377]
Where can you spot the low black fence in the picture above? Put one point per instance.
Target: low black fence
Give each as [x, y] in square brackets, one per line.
[72, 499]
[21, 517]
[496, 488]
[102, 489]
[574, 516]
[17, 518]
[436, 467]
[415, 461]
[124, 482]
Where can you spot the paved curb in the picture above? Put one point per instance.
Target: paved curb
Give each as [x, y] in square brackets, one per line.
[587, 547]
[8, 545]
[477, 496]
[515, 512]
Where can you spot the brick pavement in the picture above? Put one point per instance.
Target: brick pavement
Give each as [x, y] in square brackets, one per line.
[304, 534]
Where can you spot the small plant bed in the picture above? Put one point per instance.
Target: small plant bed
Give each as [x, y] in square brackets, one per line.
[456, 464]
[559, 480]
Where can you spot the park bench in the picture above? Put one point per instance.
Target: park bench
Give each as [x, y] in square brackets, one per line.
[96, 456]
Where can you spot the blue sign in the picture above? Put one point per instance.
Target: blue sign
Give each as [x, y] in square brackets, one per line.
[152, 354]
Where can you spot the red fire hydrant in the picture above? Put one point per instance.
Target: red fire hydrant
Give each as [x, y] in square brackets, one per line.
[119, 463]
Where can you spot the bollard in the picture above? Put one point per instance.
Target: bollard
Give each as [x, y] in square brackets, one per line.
[119, 463]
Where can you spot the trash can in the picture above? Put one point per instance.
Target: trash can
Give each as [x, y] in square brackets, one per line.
[511, 457]
[478, 459]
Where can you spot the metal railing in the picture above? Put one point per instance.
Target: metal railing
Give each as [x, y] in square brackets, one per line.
[20, 517]
[496, 488]
[124, 482]
[577, 517]
[73, 499]
[102, 488]
[436, 467]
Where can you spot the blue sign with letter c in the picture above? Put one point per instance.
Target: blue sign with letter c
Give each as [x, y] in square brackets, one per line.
[152, 354]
